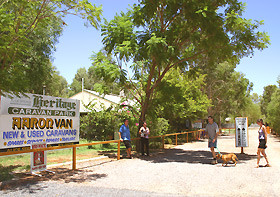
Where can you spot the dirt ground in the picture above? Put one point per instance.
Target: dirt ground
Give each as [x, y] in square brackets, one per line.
[184, 170]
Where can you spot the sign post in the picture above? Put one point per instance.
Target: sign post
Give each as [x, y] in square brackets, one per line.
[241, 133]
[38, 159]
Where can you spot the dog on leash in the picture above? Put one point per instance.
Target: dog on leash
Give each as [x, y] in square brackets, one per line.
[228, 157]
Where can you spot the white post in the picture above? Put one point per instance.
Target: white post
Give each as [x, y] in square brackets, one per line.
[82, 84]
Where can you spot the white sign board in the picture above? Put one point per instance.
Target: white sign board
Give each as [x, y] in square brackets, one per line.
[197, 125]
[36, 118]
[241, 132]
[38, 159]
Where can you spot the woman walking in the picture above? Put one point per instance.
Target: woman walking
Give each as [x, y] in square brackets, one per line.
[144, 133]
[262, 142]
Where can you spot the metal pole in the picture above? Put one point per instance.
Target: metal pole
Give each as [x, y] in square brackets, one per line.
[44, 89]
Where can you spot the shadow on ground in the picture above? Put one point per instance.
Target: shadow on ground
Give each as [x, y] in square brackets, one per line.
[191, 156]
[30, 182]
[6, 172]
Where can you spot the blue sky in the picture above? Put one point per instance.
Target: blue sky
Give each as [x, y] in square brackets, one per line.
[78, 42]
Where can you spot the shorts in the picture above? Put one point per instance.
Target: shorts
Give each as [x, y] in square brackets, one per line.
[262, 144]
[211, 144]
[127, 143]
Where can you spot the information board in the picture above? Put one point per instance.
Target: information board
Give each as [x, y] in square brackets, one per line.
[32, 118]
[241, 132]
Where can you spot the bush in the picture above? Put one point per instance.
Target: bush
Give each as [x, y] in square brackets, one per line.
[273, 111]
[101, 125]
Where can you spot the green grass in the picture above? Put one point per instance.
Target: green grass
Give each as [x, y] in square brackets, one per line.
[21, 162]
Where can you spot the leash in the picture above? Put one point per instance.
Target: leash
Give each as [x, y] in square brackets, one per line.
[218, 151]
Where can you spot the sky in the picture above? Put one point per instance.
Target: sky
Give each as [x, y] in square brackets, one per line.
[78, 43]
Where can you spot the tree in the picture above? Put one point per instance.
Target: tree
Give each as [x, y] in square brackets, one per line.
[273, 111]
[160, 35]
[76, 85]
[256, 98]
[228, 90]
[266, 98]
[29, 31]
[57, 85]
[180, 97]
[252, 109]
[53, 83]
[273, 108]
[100, 77]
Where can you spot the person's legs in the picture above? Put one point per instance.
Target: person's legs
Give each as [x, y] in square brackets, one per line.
[147, 146]
[127, 144]
[142, 145]
[259, 156]
[264, 155]
[213, 152]
[129, 152]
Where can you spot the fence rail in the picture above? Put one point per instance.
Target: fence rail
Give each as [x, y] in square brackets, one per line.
[74, 146]
[220, 130]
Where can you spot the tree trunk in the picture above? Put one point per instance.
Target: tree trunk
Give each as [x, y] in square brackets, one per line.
[142, 119]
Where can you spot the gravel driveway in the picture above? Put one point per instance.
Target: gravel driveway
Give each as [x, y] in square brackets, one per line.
[184, 170]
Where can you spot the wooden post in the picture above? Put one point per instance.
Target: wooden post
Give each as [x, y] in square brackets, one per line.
[242, 150]
[74, 159]
[176, 140]
[162, 142]
[119, 150]
[187, 137]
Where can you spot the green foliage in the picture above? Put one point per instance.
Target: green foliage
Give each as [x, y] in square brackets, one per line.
[103, 76]
[228, 90]
[76, 85]
[180, 97]
[273, 111]
[160, 35]
[57, 85]
[252, 109]
[101, 125]
[29, 31]
[266, 98]
[158, 126]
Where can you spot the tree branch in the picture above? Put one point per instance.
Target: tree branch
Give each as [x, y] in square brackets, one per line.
[170, 21]
[171, 66]
[36, 18]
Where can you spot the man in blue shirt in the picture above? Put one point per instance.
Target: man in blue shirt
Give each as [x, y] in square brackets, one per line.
[124, 135]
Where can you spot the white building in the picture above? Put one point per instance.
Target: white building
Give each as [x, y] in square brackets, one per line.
[87, 97]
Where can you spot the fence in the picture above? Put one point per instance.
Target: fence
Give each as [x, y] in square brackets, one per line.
[74, 147]
[226, 129]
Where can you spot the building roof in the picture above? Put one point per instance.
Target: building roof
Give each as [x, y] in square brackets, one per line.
[111, 98]
[87, 96]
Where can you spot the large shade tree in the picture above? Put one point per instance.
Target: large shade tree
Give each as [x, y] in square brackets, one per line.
[157, 36]
[29, 31]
